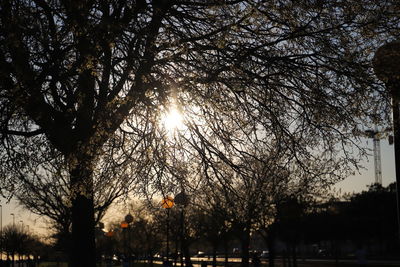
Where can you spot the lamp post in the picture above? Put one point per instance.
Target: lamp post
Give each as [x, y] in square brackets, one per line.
[124, 226]
[129, 220]
[167, 203]
[21, 257]
[1, 233]
[110, 248]
[182, 200]
[12, 214]
[387, 69]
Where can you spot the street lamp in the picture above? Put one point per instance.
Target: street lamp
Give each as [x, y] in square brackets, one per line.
[12, 214]
[387, 69]
[182, 200]
[167, 203]
[110, 247]
[129, 220]
[1, 233]
[124, 226]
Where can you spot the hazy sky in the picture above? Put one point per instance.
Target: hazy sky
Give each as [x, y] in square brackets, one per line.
[355, 183]
[366, 177]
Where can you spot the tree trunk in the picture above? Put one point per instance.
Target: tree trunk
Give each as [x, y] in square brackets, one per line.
[151, 262]
[186, 253]
[284, 258]
[176, 250]
[245, 248]
[83, 235]
[83, 239]
[336, 250]
[214, 254]
[226, 261]
[294, 254]
[271, 245]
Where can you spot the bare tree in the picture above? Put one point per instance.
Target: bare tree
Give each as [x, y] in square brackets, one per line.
[16, 241]
[48, 192]
[72, 72]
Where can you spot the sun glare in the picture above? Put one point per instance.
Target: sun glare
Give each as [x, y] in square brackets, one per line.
[173, 120]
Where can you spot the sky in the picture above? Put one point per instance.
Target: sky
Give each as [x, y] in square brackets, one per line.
[356, 183]
[359, 182]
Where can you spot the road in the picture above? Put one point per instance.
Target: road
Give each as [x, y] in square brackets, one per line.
[306, 262]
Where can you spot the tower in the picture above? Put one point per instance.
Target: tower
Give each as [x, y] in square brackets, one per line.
[376, 136]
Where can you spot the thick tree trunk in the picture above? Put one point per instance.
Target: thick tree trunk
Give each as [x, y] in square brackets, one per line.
[294, 254]
[83, 239]
[151, 261]
[214, 255]
[270, 242]
[83, 247]
[245, 249]
[185, 244]
[186, 252]
[226, 261]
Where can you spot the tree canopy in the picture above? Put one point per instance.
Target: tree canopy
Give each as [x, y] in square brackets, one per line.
[86, 82]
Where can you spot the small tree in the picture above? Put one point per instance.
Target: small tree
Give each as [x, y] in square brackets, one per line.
[15, 241]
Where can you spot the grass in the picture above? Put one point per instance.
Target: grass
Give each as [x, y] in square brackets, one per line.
[64, 264]
[277, 264]
[53, 264]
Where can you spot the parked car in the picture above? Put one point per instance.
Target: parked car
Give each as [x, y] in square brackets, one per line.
[264, 254]
[200, 254]
[157, 256]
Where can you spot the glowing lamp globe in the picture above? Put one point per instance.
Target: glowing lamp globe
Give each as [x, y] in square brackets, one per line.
[129, 218]
[109, 233]
[167, 202]
[386, 62]
[124, 225]
[182, 199]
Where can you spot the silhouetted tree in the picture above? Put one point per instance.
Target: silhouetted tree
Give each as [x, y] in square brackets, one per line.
[370, 215]
[365, 217]
[248, 189]
[48, 193]
[36, 248]
[147, 229]
[15, 240]
[212, 225]
[145, 235]
[72, 72]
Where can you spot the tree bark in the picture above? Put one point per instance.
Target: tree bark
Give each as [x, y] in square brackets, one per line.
[83, 249]
[226, 261]
[294, 254]
[83, 239]
[186, 252]
[214, 255]
[271, 245]
[245, 248]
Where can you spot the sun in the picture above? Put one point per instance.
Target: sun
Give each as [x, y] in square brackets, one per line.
[173, 120]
